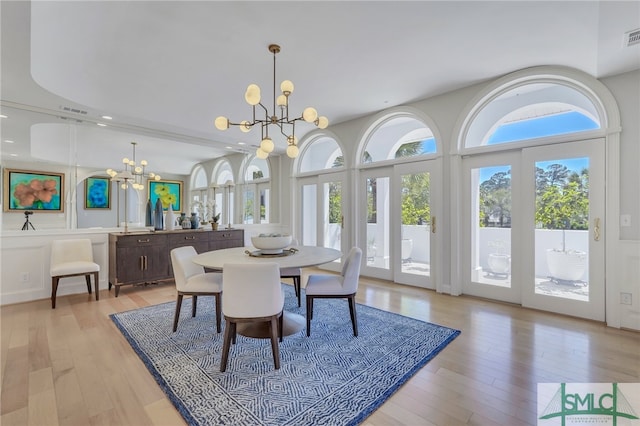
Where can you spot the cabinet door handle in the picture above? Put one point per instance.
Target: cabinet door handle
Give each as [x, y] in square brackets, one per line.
[189, 238]
[142, 263]
[144, 241]
[146, 263]
[596, 229]
[433, 224]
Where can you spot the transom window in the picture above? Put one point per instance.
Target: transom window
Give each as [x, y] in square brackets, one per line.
[399, 137]
[532, 111]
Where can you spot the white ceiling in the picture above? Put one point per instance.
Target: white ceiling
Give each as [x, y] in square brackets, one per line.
[165, 69]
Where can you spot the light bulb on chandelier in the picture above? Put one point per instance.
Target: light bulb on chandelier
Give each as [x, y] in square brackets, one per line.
[285, 125]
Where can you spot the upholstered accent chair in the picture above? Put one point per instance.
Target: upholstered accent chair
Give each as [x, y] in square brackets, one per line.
[251, 293]
[192, 280]
[71, 258]
[343, 286]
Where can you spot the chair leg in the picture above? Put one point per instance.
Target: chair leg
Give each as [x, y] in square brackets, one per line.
[280, 325]
[218, 311]
[96, 280]
[273, 329]
[177, 315]
[352, 311]
[296, 286]
[87, 278]
[226, 345]
[54, 291]
[309, 314]
[194, 305]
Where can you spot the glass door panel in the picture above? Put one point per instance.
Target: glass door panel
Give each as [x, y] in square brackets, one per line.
[375, 222]
[490, 225]
[565, 228]
[415, 206]
[309, 214]
[332, 202]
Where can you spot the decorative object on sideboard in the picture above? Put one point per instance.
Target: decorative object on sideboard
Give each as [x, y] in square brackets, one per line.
[148, 217]
[214, 221]
[278, 117]
[195, 221]
[170, 219]
[158, 219]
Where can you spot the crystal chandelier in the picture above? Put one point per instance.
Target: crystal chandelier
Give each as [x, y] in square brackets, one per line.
[133, 174]
[285, 125]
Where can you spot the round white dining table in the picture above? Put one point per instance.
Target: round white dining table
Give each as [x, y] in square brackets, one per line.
[305, 256]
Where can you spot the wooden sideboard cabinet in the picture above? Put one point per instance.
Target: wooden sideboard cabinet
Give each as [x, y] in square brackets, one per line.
[144, 257]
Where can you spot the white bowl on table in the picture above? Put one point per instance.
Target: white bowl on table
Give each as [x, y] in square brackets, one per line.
[271, 244]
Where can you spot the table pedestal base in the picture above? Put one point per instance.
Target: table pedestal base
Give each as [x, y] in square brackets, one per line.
[291, 324]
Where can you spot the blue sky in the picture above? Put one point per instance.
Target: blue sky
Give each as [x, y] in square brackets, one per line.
[540, 127]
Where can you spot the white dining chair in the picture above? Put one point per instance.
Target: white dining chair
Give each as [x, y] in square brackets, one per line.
[343, 286]
[293, 273]
[192, 280]
[252, 293]
[71, 258]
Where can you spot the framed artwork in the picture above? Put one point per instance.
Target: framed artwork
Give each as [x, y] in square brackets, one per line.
[168, 191]
[33, 190]
[97, 193]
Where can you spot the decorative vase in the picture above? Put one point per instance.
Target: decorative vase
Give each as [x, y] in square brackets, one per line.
[148, 218]
[170, 219]
[195, 222]
[214, 226]
[158, 218]
[186, 223]
[182, 218]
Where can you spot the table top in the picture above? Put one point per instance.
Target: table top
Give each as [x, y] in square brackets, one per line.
[305, 256]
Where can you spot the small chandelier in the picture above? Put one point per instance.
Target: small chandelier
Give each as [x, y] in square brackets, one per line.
[133, 174]
[285, 124]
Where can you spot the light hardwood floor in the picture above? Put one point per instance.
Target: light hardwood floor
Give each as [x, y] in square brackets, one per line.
[71, 366]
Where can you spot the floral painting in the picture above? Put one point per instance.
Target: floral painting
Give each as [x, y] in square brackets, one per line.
[97, 193]
[169, 192]
[32, 190]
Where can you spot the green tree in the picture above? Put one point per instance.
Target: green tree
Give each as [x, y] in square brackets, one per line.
[565, 203]
[495, 200]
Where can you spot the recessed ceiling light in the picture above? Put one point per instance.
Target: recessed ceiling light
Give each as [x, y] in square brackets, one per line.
[241, 143]
[228, 147]
[107, 117]
[9, 141]
[3, 116]
[102, 125]
[13, 155]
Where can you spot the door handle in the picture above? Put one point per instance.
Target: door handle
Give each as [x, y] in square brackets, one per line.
[596, 229]
[433, 224]
[342, 221]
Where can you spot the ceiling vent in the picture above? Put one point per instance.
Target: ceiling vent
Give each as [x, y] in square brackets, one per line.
[74, 110]
[632, 37]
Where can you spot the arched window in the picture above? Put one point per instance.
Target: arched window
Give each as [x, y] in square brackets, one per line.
[399, 137]
[532, 111]
[256, 194]
[321, 154]
[223, 191]
[198, 194]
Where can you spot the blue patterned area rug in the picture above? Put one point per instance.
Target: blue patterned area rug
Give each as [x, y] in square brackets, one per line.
[329, 378]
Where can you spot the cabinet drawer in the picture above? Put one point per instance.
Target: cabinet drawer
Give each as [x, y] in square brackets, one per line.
[141, 240]
[231, 234]
[187, 238]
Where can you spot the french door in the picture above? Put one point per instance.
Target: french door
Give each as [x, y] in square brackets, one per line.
[564, 229]
[534, 227]
[397, 223]
[322, 213]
